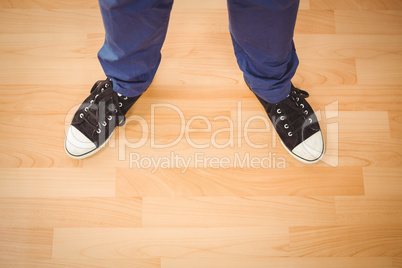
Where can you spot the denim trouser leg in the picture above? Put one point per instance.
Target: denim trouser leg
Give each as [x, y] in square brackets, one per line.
[262, 35]
[135, 31]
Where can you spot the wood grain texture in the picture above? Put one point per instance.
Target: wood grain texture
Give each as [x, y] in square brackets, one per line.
[383, 71]
[346, 241]
[25, 243]
[304, 262]
[307, 22]
[368, 21]
[374, 210]
[22, 21]
[395, 123]
[356, 4]
[92, 263]
[55, 183]
[105, 211]
[346, 46]
[382, 181]
[65, 212]
[254, 211]
[43, 4]
[397, 262]
[239, 182]
[132, 243]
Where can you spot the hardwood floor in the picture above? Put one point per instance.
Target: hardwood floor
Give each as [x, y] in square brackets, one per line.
[217, 197]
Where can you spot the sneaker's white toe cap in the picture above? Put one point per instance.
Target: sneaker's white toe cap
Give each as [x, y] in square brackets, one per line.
[77, 145]
[311, 150]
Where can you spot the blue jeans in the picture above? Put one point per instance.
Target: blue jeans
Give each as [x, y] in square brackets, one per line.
[261, 31]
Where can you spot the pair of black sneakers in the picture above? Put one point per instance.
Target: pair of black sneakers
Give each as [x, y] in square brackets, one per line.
[96, 119]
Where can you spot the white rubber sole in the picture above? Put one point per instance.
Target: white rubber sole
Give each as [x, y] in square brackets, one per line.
[90, 152]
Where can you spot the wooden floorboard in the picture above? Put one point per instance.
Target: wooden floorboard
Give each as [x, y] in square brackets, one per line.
[120, 209]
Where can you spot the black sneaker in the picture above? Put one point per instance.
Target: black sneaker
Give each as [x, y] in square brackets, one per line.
[297, 126]
[96, 119]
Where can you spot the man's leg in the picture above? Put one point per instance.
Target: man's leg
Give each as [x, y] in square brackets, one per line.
[262, 35]
[135, 31]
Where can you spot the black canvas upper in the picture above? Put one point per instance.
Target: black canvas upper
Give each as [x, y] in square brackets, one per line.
[101, 112]
[293, 118]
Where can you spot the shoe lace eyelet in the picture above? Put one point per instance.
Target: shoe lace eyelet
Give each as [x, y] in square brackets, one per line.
[305, 111]
[106, 85]
[81, 115]
[109, 117]
[92, 101]
[286, 126]
[310, 120]
[302, 105]
[115, 110]
[104, 123]
[297, 99]
[282, 118]
[98, 131]
[125, 98]
[290, 134]
[96, 96]
[120, 104]
[102, 89]
[279, 111]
